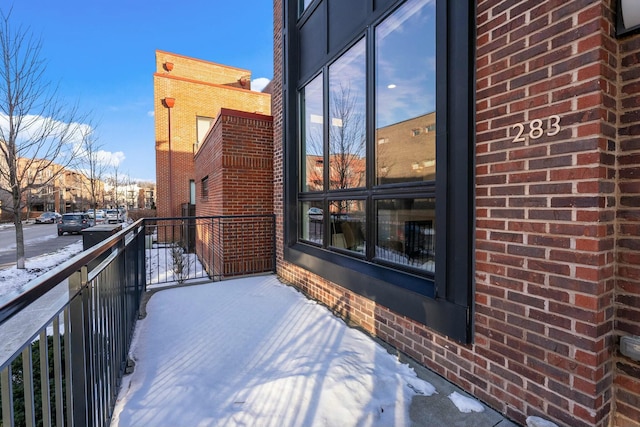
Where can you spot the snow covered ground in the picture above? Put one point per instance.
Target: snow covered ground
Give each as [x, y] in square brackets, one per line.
[255, 352]
[14, 281]
[252, 352]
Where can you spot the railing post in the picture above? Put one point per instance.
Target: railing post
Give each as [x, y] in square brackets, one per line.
[78, 344]
[6, 386]
[273, 244]
[44, 380]
[27, 378]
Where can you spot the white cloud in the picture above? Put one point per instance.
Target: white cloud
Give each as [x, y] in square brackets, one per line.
[110, 158]
[260, 83]
[44, 130]
[151, 113]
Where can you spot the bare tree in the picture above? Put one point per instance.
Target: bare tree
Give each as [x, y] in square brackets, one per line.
[346, 140]
[115, 182]
[36, 127]
[347, 144]
[92, 163]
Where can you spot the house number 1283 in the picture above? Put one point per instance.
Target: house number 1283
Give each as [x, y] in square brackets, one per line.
[537, 128]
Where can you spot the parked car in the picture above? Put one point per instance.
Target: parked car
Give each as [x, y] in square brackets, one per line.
[74, 223]
[100, 217]
[48, 218]
[113, 216]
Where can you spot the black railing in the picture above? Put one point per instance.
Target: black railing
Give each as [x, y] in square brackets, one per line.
[213, 248]
[64, 342]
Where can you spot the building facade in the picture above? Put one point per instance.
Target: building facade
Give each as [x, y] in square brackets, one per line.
[188, 96]
[496, 227]
[54, 188]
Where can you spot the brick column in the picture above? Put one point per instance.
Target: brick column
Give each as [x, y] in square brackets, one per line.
[237, 161]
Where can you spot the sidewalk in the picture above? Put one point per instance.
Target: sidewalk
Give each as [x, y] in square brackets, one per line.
[253, 351]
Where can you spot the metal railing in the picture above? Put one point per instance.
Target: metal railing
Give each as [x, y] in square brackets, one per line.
[213, 247]
[64, 343]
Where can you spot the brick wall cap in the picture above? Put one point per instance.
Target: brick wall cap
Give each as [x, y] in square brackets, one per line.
[202, 60]
[244, 115]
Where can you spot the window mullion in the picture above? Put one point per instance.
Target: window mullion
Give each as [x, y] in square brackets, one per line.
[370, 145]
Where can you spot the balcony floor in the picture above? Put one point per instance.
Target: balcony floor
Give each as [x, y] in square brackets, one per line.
[254, 352]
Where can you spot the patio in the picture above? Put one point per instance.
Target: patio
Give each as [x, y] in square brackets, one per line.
[252, 351]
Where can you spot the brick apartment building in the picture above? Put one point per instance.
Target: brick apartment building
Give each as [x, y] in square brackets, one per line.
[188, 96]
[528, 204]
[53, 188]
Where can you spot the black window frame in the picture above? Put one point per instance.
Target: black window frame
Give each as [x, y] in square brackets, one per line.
[443, 302]
[204, 188]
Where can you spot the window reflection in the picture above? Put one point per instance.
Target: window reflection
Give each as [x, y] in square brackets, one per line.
[312, 173]
[405, 94]
[312, 222]
[406, 232]
[302, 5]
[333, 147]
[347, 107]
[348, 225]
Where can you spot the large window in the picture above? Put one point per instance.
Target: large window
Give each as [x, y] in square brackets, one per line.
[347, 112]
[379, 100]
[402, 150]
[405, 67]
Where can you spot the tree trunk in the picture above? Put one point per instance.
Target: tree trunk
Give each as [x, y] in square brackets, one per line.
[20, 262]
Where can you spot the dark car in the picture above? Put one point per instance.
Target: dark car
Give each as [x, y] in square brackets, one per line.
[48, 218]
[73, 223]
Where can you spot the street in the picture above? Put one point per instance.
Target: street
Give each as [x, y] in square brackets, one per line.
[38, 239]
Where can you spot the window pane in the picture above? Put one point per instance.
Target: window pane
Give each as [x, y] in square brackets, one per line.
[406, 232]
[405, 94]
[347, 105]
[312, 150]
[348, 225]
[202, 127]
[312, 222]
[302, 5]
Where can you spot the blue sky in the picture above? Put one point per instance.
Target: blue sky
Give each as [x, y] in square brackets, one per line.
[102, 55]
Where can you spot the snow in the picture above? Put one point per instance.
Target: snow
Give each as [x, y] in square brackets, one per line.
[539, 422]
[162, 267]
[14, 281]
[253, 351]
[249, 351]
[465, 404]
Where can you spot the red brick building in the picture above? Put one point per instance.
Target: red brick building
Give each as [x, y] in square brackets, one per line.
[534, 207]
[188, 96]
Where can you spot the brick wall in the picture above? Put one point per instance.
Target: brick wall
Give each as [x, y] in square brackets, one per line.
[545, 209]
[627, 300]
[199, 88]
[237, 159]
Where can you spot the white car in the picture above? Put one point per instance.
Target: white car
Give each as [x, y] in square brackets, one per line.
[100, 217]
[113, 216]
